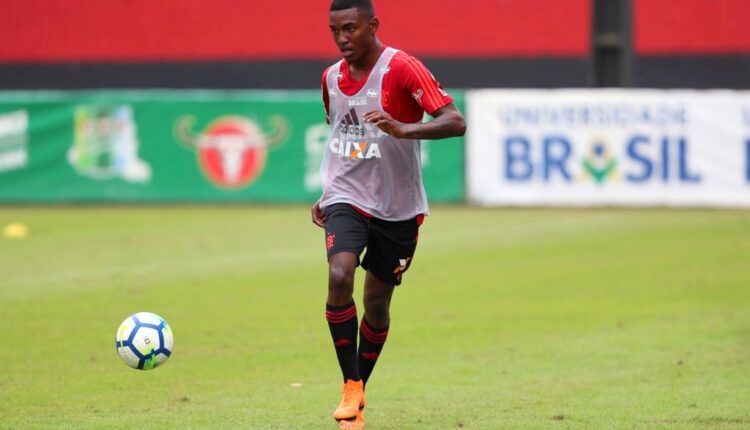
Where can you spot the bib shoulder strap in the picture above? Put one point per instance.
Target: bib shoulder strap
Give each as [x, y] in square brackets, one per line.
[332, 76]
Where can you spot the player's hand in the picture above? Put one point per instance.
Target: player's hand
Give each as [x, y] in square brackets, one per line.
[385, 122]
[318, 218]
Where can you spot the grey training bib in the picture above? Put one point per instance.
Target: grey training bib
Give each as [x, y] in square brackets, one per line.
[364, 166]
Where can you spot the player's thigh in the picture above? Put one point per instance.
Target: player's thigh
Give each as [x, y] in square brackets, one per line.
[345, 230]
[391, 249]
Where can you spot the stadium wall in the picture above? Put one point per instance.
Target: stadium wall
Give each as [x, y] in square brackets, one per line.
[58, 44]
[691, 43]
[238, 44]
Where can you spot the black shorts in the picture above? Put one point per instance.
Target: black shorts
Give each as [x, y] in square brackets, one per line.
[390, 244]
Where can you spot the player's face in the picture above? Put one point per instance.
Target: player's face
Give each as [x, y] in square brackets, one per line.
[353, 33]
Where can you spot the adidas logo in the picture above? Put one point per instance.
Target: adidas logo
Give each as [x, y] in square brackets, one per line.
[350, 124]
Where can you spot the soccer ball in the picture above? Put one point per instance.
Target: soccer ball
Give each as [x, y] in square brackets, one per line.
[144, 341]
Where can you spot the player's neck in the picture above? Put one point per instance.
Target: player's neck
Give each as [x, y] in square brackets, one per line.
[366, 63]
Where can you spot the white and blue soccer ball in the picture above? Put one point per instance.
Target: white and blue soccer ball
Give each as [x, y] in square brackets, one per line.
[144, 341]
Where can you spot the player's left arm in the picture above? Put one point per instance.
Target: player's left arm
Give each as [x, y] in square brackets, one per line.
[447, 122]
[426, 94]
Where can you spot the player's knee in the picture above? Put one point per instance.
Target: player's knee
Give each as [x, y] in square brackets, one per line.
[340, 278]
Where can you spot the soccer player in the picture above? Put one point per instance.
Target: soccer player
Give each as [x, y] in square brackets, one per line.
[373, 196]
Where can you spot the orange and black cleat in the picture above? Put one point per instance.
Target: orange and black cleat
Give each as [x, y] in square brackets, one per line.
[352, 397]
[358, 422]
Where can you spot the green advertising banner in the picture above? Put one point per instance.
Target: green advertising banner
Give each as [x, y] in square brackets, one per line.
[179, 146]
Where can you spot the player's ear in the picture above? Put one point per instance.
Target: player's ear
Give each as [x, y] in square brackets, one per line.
[374, 24]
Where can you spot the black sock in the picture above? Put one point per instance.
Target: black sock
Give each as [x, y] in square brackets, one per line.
[371, 341]
[342, 320]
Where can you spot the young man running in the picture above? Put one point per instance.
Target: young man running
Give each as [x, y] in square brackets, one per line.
[373, 196]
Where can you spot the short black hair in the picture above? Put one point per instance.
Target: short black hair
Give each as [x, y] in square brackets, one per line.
[362, 5]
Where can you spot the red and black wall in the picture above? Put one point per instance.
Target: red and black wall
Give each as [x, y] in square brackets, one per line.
[70, 44]
[691, 43]
[283, 44]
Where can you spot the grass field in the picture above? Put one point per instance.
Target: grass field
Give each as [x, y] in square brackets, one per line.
[508, 319]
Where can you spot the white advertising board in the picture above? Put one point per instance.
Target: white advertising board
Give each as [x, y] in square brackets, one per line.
[608, 147]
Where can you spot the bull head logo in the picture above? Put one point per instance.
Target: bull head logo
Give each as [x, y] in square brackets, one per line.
[232, 150]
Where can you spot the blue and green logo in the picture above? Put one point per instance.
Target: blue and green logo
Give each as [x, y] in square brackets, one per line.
[599, 164]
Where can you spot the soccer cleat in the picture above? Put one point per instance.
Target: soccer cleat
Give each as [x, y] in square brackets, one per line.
[352, 395]
[358, 422]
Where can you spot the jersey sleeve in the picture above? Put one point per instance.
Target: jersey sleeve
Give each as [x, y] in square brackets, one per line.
[324, 88]
[423, 86]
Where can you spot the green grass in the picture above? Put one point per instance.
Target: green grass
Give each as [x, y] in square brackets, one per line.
[508, 319]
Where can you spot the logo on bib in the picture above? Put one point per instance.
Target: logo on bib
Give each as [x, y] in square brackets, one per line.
[358, 148]
[349, 149]
[360, 101]
[418, 96]
[350, 125]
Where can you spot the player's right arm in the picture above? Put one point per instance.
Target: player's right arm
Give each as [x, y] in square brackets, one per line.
[317, 215]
